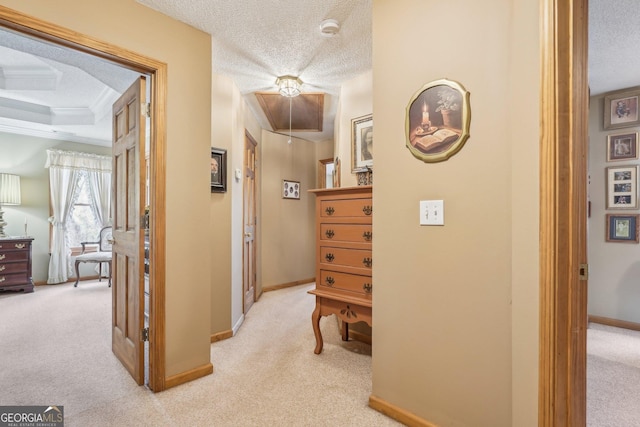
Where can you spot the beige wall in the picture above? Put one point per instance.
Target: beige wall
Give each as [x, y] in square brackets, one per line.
[130, 25]
[455, 307]
[222, 112]
[26, 156]
[288, 226]
[355, 101]
[614, 267]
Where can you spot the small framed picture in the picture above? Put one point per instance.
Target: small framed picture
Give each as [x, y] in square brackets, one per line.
[290, 189]
[622, 228]
[218, 170]
[622, 187]
[623, 146]
[361, 143]
[621, 109]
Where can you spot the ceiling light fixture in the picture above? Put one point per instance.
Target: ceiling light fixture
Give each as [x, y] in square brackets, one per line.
[289, 86]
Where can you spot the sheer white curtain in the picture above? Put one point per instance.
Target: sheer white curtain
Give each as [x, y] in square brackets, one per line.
[100, 189]
[65, 168]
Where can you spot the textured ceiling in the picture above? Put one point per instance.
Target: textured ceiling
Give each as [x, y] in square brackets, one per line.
[254, 42]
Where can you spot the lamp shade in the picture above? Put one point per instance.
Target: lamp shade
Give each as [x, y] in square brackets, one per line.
[9, 189]
[289, 86]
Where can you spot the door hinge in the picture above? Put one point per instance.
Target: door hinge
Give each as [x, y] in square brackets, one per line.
[584, 271]
[145, 334]
[147, 109]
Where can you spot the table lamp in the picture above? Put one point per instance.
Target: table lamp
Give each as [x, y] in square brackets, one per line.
[9, 195]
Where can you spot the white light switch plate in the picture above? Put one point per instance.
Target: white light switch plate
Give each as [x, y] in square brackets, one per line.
[431, 212]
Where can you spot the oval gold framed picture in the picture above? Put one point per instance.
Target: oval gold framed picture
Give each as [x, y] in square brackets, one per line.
[437, 120]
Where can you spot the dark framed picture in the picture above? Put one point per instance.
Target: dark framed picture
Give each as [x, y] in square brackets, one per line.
[218, 170]
[622, 187]
[362, 143]
[623, 146]
[621, 109]
[437, 120]
[290, 189]
[622, 228]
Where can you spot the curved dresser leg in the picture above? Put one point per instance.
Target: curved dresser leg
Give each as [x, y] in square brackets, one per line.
[315, 321]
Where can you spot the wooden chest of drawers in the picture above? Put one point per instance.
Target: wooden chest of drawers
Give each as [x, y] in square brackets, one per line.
[343, 249]
[15, 264]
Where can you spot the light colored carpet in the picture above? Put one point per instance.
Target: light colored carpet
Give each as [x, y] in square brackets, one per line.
[613, 377]
[56, 350]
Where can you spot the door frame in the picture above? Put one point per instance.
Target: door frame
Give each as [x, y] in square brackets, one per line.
[248, 139]
[563, 173]
[64, 37]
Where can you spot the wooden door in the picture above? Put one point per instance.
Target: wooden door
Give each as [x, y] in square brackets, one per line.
[249, 253]
[128, 250]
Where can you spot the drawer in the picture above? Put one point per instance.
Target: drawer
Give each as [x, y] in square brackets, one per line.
[353, 283]
[360, 233]
[15, 246]
[346, 208]
[13, 279]
[12, 267]
[360, 258]
[14, 256]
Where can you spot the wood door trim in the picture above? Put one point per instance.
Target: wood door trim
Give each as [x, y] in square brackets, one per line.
[564, 106]
[43, 30]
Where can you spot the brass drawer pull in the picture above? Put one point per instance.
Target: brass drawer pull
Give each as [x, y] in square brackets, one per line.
[368, 210]
[367, 287]
[328, 233]
[367, 262]
[20, 245]
[329, 211]
[3, 256]
[330, 280]
[2, 267]
[2, 279]
[329, 257]
[367, 235]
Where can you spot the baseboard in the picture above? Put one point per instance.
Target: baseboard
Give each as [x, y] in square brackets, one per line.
[71, 280]
[398, 414]
[358, 336]
[614, 322]
[288, 285]
[237, 325]
[185, 377]
[221, 336]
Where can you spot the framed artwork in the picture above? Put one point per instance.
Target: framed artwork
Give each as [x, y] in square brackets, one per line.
[218, 170]
[290, 189]
[437, 120]
[623, 146]
[622, 187]
[622, 228]
[362, 143]
[621, 109]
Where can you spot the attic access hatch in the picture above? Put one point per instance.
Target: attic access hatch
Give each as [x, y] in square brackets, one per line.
[308, 111]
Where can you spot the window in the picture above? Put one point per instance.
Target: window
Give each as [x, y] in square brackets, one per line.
[82, 225]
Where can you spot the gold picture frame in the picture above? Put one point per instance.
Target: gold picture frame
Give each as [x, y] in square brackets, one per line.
[621, 109]
[362, 143]
[437, 121]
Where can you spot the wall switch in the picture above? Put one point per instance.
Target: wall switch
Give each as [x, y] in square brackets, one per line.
[238, 175]
[431, 212]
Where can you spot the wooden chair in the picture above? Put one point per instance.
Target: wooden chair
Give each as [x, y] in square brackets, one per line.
[103, 255]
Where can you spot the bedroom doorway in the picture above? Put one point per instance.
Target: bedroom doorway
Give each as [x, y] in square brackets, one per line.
[67, 39]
